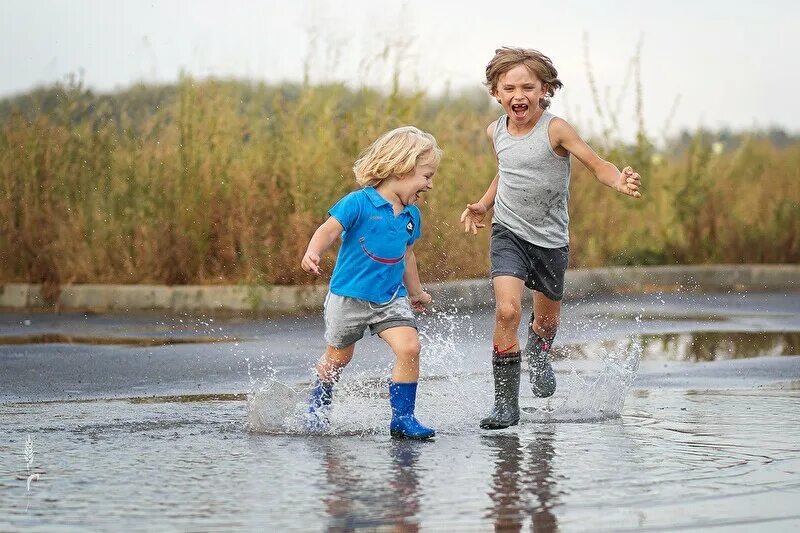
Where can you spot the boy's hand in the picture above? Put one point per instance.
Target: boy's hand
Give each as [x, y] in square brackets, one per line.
[310, 263]
[629, 182]
[420, 301]
[472, 217]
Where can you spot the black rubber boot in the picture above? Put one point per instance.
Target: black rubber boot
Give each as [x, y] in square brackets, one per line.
[505, 369]
[540, 371]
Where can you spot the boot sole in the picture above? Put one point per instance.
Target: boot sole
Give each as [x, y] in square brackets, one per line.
[401, 435]
[499, 426]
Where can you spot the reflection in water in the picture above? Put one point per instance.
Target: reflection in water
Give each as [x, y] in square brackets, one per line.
[716, 345]
[698, 346]
[523, 483]
[405, 483]
[360, 496]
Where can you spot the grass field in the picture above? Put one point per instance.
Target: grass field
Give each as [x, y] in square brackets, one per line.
[224, 182]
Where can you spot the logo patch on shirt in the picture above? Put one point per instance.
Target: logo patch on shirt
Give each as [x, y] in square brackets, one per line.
[410, 227]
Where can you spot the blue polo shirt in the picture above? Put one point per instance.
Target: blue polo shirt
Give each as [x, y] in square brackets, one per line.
[371, 260]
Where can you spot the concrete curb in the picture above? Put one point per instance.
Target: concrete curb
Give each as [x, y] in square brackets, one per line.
[580, 283]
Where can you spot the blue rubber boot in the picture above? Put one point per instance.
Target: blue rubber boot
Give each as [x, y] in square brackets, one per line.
[402, 398]
[540, 371]
[319, 405]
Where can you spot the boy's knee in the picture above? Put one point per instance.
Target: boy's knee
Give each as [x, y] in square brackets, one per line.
[508, 312]
[409, 353]
[336, 358]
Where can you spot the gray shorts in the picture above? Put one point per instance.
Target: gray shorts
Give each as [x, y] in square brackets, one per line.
[542, 269]
[346, 318]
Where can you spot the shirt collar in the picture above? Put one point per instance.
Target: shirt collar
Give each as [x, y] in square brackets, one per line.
[378, 200]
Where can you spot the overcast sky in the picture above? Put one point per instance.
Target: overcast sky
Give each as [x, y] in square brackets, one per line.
[729, 63]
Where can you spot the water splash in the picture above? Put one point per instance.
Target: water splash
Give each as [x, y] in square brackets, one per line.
[455, 391]
[272, 408]
[360, 407]
[587, 396]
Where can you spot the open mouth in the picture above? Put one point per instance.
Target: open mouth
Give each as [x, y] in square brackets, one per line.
[519, 110]
[418, 195]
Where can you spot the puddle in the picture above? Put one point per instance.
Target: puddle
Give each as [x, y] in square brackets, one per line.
[699, 346]
[61, 338]
[175, 398]
[117, 465]
[672, 317]
[177, 445]
[190, 398]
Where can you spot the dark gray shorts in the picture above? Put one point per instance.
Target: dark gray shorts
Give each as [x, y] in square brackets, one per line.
[542, 269]
[346, 318]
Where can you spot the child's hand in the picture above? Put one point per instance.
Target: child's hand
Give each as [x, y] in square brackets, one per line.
[310, 263]
[629, 182]
[472, 217]
[420, 301]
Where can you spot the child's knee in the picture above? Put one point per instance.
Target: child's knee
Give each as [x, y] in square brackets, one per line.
[338, 357]
[409, 353]
[508, 312]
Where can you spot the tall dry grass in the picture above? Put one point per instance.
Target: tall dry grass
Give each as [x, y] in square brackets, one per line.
[224, 182]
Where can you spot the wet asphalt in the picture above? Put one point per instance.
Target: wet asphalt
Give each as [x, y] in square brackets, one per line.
[75, 356]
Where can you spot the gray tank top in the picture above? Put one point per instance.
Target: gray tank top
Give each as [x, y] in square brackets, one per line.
[533, 189]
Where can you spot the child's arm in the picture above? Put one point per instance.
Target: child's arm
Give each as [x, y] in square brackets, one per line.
[473, 215]
[328, 232]
[417, 297]
[626, 182]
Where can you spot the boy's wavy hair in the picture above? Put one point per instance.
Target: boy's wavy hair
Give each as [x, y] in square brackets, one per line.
[395, 153]
[508, 57]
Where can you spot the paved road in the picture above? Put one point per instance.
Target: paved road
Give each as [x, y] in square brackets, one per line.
[252, 349]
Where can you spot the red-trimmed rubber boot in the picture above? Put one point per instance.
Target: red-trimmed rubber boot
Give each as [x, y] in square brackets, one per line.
[540, 371]
[505, 370]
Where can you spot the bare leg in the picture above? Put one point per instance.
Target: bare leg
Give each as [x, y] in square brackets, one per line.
[404, 342]
[547, 314]
[508, 312]
[333, 361]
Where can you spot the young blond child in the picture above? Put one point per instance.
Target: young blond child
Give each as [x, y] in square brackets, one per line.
[530, 239]
[375, 282]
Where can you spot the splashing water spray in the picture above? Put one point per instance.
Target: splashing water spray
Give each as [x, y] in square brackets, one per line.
[452, 396]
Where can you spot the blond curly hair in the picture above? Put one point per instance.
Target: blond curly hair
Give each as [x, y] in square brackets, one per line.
[396, 153]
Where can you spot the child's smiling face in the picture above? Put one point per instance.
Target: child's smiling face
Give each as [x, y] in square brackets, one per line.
[416, 182]
[519, 91]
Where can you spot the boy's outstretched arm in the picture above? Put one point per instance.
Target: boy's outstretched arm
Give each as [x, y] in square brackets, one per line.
[626, 182]
[417, 297]
[328, 232]
[473, 215]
